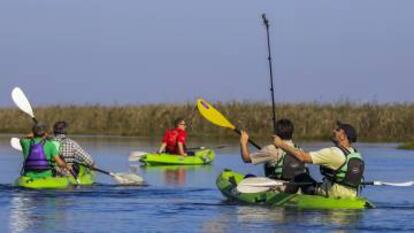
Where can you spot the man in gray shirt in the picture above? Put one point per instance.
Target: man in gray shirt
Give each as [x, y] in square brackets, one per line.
[278, 164]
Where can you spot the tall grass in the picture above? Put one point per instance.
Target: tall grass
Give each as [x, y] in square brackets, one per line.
[313, 121]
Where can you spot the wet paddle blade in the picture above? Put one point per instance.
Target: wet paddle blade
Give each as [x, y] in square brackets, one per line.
[261, 182]
[251, 189]
[402, 184]
[15, 143]
[212, 114]
[136, 155]
[19, 98]
[127, 178]
[258, 184]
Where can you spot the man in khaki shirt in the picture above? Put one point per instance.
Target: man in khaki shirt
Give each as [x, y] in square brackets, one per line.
[332, 158]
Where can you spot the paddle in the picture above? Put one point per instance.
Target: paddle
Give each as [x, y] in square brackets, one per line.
[21, 101]
[121, 178]
[262, 184]
[15, 143]
[215, 117]
[384, 183]
[136, 155]
[204, 147]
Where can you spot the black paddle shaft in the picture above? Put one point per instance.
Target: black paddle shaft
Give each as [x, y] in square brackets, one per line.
[269, 58]
[73, 174]
[251, 142]
[100, 170]
[203, 147]
[320, 183]
[94, 168]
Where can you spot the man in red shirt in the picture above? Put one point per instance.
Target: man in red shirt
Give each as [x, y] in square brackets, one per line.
[173, 141]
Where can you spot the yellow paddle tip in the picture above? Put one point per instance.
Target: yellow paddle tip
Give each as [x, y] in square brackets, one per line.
[202, 103]
[212, 114]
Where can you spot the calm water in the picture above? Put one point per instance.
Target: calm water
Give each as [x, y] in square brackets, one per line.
[186, 199]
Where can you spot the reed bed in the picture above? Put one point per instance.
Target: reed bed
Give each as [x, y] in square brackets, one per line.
[406, 146]
[313, 121]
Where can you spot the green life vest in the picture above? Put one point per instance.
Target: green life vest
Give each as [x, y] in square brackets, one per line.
[350, 173]
[287, 167]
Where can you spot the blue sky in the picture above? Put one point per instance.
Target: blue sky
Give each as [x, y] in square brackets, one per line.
[134, 52]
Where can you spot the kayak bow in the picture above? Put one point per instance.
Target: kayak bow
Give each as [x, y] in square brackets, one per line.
[85, 177]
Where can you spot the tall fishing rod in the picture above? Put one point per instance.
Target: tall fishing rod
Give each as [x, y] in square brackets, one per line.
[269, 58]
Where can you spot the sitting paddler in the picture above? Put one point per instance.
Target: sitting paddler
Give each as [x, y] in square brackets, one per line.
[70, 151]
[40, 154]
[342, 165]
[173, 141]
[277, 163]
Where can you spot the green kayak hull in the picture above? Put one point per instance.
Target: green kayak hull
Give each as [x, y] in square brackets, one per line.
[201, 157]
[86, 177]
[228, 180]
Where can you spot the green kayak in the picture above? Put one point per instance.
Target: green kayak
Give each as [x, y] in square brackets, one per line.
[86, 177]
[228, 180]
[200, 157]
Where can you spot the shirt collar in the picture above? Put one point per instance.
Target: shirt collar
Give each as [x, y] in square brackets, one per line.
[60, 136]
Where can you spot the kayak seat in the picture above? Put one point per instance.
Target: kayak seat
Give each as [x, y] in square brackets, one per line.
[233, 181]
[249, 175]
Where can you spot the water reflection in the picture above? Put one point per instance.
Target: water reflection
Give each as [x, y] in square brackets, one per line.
[175, 175]
[37, 211]
[283, 219]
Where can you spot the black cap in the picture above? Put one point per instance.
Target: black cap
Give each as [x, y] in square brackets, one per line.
[39, 129]
[349, 130]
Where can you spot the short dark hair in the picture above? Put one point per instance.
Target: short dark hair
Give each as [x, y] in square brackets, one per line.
[284, 129]
[39, 129]
[60, 127]
[178, 121]
[349, 130]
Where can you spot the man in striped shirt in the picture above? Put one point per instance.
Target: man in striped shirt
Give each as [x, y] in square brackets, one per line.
[70, 150]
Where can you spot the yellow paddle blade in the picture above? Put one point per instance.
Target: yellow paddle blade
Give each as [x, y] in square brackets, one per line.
[212, 114]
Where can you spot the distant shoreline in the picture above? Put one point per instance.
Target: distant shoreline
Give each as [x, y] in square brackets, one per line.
[313, 121]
